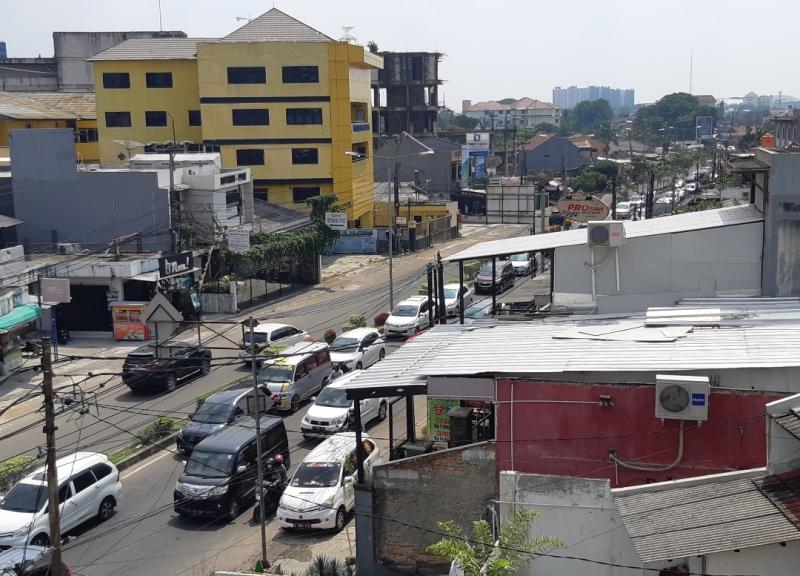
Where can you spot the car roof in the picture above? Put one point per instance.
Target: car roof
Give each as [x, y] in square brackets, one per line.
[270, 326]
[231, 438]
[69, 465]
[15, 555]
[299, 351]
[451, 285]
[230, 395]
[413, 300]
[334, 447]
[357, 332]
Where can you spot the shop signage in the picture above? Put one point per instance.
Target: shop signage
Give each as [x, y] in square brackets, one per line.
[175, 264]
[238, 240]
[55, 290]
[583, 209]
[401, 220]
[438, 418]
[336, 220]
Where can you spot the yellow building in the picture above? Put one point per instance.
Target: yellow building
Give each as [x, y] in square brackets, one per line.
[275, 95]
[21, 110]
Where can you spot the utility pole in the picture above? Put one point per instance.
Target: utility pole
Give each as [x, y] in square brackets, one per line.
[52, 480]
[648, 202]
[252, 322]
[390, 202]
[441, 306]
[614, 198]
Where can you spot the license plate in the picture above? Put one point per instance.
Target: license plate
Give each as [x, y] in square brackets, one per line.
[318, 428]
[303, 525]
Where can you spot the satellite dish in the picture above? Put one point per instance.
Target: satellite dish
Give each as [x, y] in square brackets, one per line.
[128, 145]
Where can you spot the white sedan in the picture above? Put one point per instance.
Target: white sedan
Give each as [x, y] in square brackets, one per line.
[451, 298]
[357, 349]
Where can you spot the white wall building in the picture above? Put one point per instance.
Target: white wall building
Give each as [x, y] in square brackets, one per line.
[522, 113]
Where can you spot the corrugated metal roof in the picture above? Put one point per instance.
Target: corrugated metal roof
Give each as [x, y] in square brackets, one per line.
[152, 49]
[276, 26]
[715, 516]
[47, 105]
[790, 422]
[665, 225]
[741, 311]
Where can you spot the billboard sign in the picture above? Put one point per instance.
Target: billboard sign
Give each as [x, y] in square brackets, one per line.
[480, 163]
[175, 264]
[55, 290]
[336, 220]
[238, 240]
[356, 241]
[704, 127]
[583, 209]
[478, 141]
[439, 419]
[465, 167]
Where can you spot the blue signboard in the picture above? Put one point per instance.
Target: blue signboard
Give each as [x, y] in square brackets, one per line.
[480, 163]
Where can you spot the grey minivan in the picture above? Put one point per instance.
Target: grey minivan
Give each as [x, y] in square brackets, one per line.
[300, 372]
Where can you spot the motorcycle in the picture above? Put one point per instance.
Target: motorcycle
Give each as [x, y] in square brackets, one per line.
[274, 485]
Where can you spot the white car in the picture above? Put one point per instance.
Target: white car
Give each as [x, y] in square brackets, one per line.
[623, 210]
[332, 411]
[357, 349]
[451, 298]
[522, 264]
[321, 491]
[89, 487]
[691, 188]
[408, 317]
[266, 335]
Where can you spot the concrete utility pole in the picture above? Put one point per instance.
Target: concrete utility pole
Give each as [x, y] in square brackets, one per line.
[252, 323]
[52, 479]
[389, 203]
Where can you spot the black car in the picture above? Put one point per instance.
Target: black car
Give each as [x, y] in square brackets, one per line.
[164, 366]
[219, 410]
[220, 475]
[504, 277]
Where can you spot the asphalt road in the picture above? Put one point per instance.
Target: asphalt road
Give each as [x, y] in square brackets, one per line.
[145, 536]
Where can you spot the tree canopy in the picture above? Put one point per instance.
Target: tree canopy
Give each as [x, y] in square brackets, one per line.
[673, 117]
[589, 116]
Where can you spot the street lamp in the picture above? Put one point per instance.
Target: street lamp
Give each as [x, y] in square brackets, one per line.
[428, 151]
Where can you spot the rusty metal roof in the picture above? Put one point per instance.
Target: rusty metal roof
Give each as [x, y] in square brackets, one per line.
[276, 26]
[152, 49]
[48, 105]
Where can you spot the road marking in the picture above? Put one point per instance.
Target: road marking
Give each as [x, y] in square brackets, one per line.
[143, 466]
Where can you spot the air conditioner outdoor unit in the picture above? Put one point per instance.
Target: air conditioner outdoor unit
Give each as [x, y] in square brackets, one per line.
[682, 397]
[65, 248]
[605, 233]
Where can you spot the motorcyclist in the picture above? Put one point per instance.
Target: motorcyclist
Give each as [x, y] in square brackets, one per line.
[275, 479]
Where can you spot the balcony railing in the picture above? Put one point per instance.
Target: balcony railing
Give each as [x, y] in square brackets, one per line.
[360, 126]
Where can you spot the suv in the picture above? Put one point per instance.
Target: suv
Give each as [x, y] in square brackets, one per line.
[28, 561]
[332, 410]
[89, 487]
[220, 475]
[266, 335]
[219, 410]
[300, 372]
[357, 349]
[164, 366]
[409, 317]
[504, 277]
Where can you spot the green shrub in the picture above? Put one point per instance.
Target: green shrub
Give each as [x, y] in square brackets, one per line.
[355, 321]
[162, 427]
[330, 335]
[471, 270]
[15, 468]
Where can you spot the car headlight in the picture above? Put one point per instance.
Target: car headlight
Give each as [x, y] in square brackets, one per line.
[329, 502]
[217, 491]
[281, 503]
[339, 421]
[19, 532]
[305, 419]
[180, 487]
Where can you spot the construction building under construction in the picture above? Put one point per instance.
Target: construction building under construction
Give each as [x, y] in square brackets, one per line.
[405, 93]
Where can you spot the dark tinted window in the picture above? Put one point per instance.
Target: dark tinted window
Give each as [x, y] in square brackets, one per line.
[159, 79]
[304, 115]
[279, 333]
[305, 156]
[261, 194]
[251, 117]
[101, 470]
[276, 441]
[233, 197]
[64, 493]
[247, 75]
[194, 118]
[303, 194]
[116, 80]
[118, 119]
[300, 74]
[82, 481]
[250, 157]
[84, 135]
[323, 357]
[155, 118]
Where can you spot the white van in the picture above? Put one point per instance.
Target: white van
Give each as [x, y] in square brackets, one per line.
[321, 491]
[300, 372]
[332, 410]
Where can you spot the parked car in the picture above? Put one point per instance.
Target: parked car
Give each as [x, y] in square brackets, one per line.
[332, 411]
[523, 263]
[357, 349]
[301, 371]
[452, 301]
[164, 366]
[691, 188]
[266, 335]
[28, 561]
[623, 210]
[220, 475]
[89, 487]
[321, 491]
[220, 410]
[504, 277]
[408, 317]
[479, 309]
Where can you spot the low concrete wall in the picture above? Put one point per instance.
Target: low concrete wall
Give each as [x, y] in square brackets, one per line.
[219, 303]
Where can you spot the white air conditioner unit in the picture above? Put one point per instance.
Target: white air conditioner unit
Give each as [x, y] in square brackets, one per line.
[682, 397]
[65, 248]
[605, 233]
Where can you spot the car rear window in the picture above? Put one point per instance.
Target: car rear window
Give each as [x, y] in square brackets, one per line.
[101, 470]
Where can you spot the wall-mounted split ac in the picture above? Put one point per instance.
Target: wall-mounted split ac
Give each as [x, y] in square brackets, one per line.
[682, 397]
[605, 233]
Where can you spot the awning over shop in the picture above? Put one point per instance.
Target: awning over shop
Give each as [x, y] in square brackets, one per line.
[19, 315]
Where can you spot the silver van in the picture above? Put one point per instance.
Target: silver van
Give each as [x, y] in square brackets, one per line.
[300, 372]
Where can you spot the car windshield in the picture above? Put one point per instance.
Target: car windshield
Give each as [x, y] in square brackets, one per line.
[450, 293]
[487, 270]
[333, 397]
[25, 498]
[404, 310]
[209, 464]
[345, 345]
[317, 474]
[277, 373]
[213, 413]
[519, 257]
[258, 337]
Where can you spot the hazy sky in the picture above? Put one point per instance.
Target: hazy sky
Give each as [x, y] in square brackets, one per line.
[493, 49]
